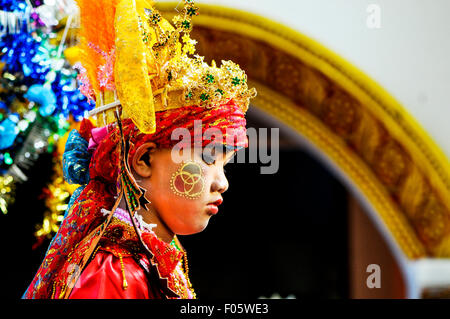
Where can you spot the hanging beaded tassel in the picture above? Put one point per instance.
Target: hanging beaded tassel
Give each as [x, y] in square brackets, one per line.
[122, 267]
[134, 194]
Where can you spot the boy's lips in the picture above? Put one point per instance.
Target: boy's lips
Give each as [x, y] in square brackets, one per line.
[213, 208]
[217, 202]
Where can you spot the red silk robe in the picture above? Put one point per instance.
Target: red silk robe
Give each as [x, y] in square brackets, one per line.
[118, 268]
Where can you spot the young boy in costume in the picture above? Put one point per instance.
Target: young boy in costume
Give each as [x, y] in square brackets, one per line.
[153, 168]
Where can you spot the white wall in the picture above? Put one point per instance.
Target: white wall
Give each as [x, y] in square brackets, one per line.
[409, 55]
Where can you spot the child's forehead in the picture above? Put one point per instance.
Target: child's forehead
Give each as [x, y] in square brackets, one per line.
[210, 149]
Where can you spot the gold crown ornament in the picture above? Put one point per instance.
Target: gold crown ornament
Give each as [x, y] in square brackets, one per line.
[133, 59]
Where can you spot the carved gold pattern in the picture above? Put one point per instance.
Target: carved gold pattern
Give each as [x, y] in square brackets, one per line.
[316, 131]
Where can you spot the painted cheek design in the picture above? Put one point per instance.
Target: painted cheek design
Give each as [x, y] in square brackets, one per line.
[188, 181]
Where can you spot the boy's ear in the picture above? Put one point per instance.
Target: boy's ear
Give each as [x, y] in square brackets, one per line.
[142, 159]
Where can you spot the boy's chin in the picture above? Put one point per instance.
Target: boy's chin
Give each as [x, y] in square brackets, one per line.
[194, 230]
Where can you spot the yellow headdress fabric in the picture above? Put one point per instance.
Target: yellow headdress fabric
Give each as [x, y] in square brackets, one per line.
[132, 67]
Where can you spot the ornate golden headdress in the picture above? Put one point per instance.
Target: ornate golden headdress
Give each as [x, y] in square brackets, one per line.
[133, 57]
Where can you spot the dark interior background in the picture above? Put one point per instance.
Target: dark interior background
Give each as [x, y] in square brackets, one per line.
[284, 233]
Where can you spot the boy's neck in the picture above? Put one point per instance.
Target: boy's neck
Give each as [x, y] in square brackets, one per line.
[152, 217]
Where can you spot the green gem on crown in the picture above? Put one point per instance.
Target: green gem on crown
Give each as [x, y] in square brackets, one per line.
[235, 81]
[186, 24]
[191, 11]
[209, 78]
[204, 97]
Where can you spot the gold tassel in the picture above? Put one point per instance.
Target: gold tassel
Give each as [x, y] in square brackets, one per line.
[124, 283]
[54, 290]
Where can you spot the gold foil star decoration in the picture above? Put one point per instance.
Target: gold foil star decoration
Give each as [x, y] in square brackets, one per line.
[189, 44]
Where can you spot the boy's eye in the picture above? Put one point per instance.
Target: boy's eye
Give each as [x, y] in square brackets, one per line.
[208, 159]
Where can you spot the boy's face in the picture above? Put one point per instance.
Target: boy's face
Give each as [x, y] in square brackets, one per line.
[186, 194]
